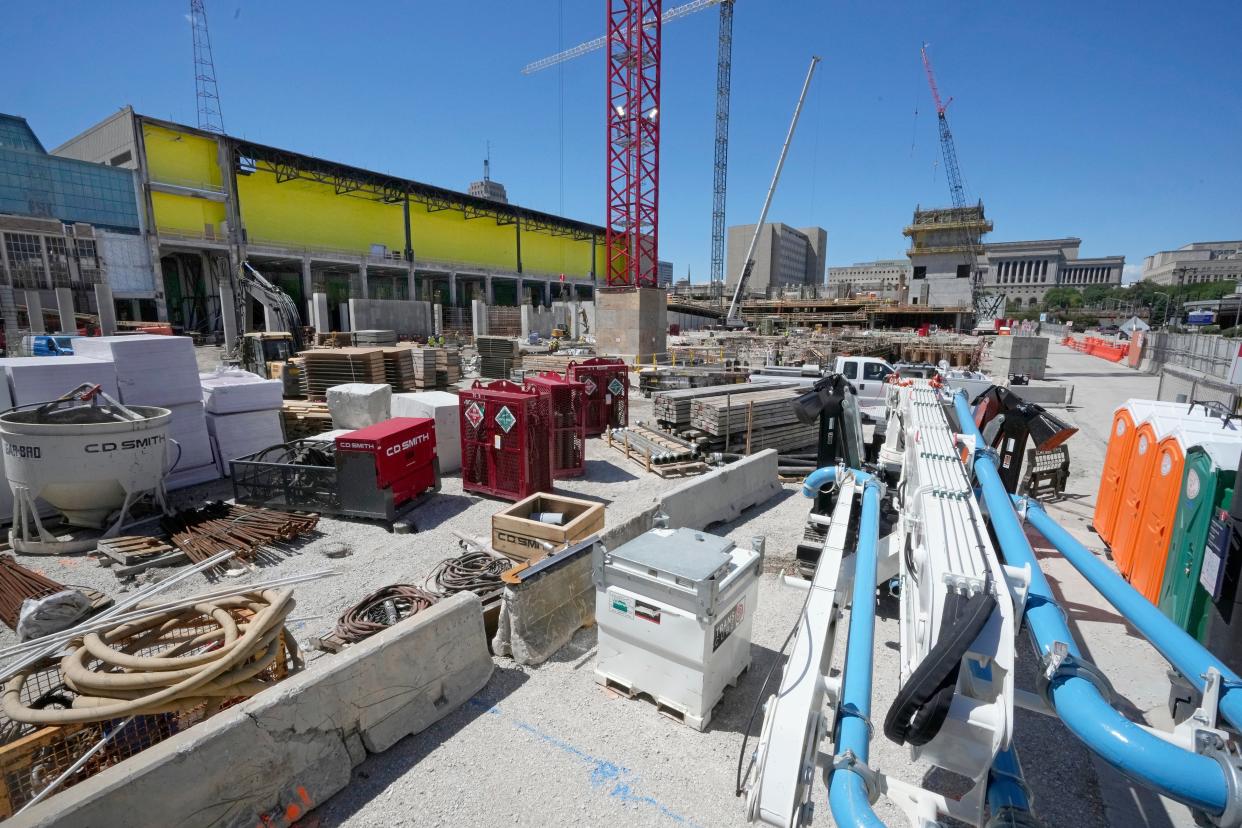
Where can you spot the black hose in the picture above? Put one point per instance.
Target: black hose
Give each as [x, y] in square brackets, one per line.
[923, 702]
[476, 572]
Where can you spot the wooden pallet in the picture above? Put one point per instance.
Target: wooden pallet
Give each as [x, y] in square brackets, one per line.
[683, 468]
[131, 549]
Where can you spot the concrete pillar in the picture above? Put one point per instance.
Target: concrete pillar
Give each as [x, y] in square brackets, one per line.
[519, 295]
[64, 305]
[478, 317]
[307, 287]
[319, 313]
[412, 283]
[547, 293]
[107, 309]
[135, 311]
[452, 290]
[438, 319]
[528, 320]
[342, 312]
[363, 288]
[488, 297]
[575, 318]
[228, 313]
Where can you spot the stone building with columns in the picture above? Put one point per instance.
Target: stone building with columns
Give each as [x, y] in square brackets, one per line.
[212, 202]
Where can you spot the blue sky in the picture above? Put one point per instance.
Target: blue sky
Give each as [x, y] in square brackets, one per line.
[1120, 123]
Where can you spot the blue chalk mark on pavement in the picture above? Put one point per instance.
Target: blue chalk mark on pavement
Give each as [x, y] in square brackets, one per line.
[619, 782]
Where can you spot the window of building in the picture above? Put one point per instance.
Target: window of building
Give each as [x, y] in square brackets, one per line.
[920, 272]
[1043, 268]
[963, 271]
[57, 260]
[25, 252]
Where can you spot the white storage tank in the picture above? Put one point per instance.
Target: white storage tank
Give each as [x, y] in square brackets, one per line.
[674, 608]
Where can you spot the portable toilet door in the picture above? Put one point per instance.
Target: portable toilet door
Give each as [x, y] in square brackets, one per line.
[1133, 500]
[1126, 420]
[1151, 549]
[1207, 487]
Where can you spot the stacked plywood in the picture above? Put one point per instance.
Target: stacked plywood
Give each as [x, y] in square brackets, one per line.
[498, 356]
[535, 363]
[375, 338]
[322, 369]
[399, 369]
[421, 369]
[448, 366]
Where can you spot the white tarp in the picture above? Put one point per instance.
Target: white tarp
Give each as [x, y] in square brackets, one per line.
[232, 390]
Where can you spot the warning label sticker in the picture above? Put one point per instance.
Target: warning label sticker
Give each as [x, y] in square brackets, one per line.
[505, 418]
[616, 387]
[474, 414]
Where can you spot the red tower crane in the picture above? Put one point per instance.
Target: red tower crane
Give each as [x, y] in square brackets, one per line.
[947, 147]
[632, 237]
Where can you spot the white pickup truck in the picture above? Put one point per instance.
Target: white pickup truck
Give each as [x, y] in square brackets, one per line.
[868, 374]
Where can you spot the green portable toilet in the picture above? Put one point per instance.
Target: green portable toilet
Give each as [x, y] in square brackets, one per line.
[1207, 489]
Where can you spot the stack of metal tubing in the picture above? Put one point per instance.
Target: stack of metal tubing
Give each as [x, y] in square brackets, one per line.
[247, 530]
[639, 439]
[17, 583]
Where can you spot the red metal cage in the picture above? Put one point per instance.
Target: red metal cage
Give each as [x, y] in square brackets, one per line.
[567, 409]
[505, 440]
[607, 381]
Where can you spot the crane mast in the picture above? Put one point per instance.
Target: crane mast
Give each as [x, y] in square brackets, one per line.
[720, 166]
[206, 91]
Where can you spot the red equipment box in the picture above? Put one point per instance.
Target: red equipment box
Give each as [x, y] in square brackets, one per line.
[566, 406]
[505, 440]
[607, 381]
[383, 466]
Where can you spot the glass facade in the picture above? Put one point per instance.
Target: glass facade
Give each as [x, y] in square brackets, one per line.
[33, 183]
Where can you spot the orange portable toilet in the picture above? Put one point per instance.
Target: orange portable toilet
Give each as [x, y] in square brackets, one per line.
[1155, 525]
[1140, 467]
[1126, 421]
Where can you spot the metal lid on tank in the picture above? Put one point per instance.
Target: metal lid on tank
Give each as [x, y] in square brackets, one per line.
[682, 553]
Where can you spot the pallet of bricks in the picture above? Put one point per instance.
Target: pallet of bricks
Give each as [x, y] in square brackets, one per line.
[324, 368]
[672, 408]
[498, 356]
[750, 422]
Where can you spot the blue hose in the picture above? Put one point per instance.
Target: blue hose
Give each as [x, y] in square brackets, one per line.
[1195, 780]
[847, 791]
[1178, 647]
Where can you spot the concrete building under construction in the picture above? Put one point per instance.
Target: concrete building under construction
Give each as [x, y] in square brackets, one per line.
[945, 246]
[212, 201]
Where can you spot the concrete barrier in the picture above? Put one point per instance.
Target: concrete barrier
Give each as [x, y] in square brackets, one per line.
[273, 758]
[540, 615]
[1044, 394]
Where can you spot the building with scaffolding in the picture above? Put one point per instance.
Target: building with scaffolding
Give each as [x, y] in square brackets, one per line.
[212, 201]
[945, 246]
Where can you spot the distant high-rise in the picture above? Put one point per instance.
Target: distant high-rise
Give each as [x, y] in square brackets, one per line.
[665, 271]
[487, 188]
[784, 257]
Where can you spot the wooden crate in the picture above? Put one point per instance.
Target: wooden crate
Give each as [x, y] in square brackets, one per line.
[518, 537]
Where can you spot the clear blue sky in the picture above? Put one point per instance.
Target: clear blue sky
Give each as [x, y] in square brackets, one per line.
[1120, 123]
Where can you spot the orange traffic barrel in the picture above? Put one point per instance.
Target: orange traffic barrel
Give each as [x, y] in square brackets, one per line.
[1155, 530]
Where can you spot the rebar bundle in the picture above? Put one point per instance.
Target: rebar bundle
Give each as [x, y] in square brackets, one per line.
[247, 530]
[17, 583]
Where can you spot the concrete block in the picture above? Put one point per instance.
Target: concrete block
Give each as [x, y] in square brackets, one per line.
[723, 494]
[275, 757]
[442, 407]
[319, 316]
[64, 307]
[632, 322]
[359, 404]
[34, 311]
[541, 615]
[478, 317]
[107, 309]
[1044, 394]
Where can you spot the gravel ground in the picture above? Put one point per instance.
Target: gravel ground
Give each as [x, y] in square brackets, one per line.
[548, 746]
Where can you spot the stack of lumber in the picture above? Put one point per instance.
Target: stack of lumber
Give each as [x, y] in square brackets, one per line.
[498, 355]
[672, 408]
[322, 369]
[448, 367]
[334, 339]
[302, 418]
[537, 363]
[410, 369]
[764, 417]
[375, 338]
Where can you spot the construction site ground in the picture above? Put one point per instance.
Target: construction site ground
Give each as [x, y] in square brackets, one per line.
[548, 746]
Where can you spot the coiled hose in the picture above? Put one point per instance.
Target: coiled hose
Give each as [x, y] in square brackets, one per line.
[471, 571]
[381, 609]
[113, 679]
